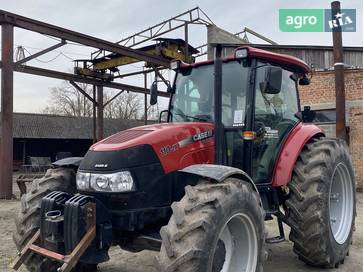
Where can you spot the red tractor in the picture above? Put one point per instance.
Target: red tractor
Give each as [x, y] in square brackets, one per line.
[234, 151]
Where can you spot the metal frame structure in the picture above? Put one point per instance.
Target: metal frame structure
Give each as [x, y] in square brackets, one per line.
[10, 20]
[203, 49]
[195, 16]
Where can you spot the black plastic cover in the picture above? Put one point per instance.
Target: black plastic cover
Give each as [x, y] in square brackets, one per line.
[119, 159]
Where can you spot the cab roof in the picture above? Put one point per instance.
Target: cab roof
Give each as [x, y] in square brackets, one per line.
[287, 61]
[284, 60]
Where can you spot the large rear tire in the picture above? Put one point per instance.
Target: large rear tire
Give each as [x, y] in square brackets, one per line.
[321, 208]
[215, 227]
[27, 221]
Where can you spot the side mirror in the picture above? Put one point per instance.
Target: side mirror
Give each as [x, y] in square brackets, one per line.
[163, 116]
[154, 93]
[273, 80]
[307, 115]
[304, 81]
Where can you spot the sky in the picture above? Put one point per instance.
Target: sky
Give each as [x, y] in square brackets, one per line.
[113, 20]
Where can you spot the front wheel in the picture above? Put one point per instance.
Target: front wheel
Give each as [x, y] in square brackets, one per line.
[215, 228]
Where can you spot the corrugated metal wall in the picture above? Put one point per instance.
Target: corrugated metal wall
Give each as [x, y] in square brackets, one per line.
[321, 57]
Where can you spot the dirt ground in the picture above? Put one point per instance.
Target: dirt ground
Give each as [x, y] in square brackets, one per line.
[281, 258]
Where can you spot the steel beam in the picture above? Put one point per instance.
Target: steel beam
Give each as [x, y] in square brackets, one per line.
[69, 35]
[192, 16]
[82, 91]
[42, 52]
[78, 78]
[6, 136]
[136, 73]
[113, 98]
[341, 131]
[99, 113]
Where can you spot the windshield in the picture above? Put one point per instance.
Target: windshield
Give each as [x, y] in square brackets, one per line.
[193, 97]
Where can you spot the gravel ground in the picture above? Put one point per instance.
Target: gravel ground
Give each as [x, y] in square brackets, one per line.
[281, 258]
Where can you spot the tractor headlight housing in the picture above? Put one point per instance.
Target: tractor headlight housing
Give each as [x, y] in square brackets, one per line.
[113, 182]
[241, 53]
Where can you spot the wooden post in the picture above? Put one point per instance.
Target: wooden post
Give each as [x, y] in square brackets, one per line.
[341, 131]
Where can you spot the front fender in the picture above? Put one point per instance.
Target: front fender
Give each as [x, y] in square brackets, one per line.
[218, 172]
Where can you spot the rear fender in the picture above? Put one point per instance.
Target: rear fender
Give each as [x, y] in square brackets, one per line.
[290, 151]
[218, 173]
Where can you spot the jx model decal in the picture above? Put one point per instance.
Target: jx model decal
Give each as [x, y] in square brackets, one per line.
[195, 138]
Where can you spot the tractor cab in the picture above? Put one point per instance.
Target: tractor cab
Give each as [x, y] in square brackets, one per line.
[259, 105]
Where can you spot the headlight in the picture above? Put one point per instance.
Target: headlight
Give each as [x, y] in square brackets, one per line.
[115, 182]
[83, 180]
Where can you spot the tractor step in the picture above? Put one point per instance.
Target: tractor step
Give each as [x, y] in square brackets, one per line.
[281, 237]
[68, 261]
[275, 240]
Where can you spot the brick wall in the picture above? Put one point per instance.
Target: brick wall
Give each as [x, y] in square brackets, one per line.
[321, 92]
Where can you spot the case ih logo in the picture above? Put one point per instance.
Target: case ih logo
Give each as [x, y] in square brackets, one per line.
[203, 135]
[317, 20]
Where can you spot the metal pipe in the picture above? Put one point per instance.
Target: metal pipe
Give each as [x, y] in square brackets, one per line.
[6, 136]
[341, 131]
[99, 113]
[145, 99]
[218, 126]
[186, 40]
[94, 104]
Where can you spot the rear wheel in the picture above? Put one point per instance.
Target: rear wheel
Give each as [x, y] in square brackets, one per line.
[215, 228]
[321, 208]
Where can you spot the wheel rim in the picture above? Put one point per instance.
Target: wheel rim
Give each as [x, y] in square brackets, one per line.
[341, 201]
[237, 246]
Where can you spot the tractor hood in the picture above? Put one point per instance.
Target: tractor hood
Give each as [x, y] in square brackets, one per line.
[175, 145]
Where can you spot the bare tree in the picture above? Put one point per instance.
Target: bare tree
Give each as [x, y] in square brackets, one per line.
[125, 106]
[67, 100]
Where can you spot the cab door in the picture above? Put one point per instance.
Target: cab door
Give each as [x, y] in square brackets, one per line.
[274, 119]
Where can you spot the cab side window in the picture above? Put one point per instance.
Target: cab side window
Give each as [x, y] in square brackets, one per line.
[274, 119]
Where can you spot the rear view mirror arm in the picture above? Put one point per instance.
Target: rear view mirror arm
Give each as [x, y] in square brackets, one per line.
[158, 74]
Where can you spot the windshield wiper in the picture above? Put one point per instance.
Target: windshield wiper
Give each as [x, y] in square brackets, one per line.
[182, 114]
[192, 117]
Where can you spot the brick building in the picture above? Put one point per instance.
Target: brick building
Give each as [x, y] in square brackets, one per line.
[320, 94]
